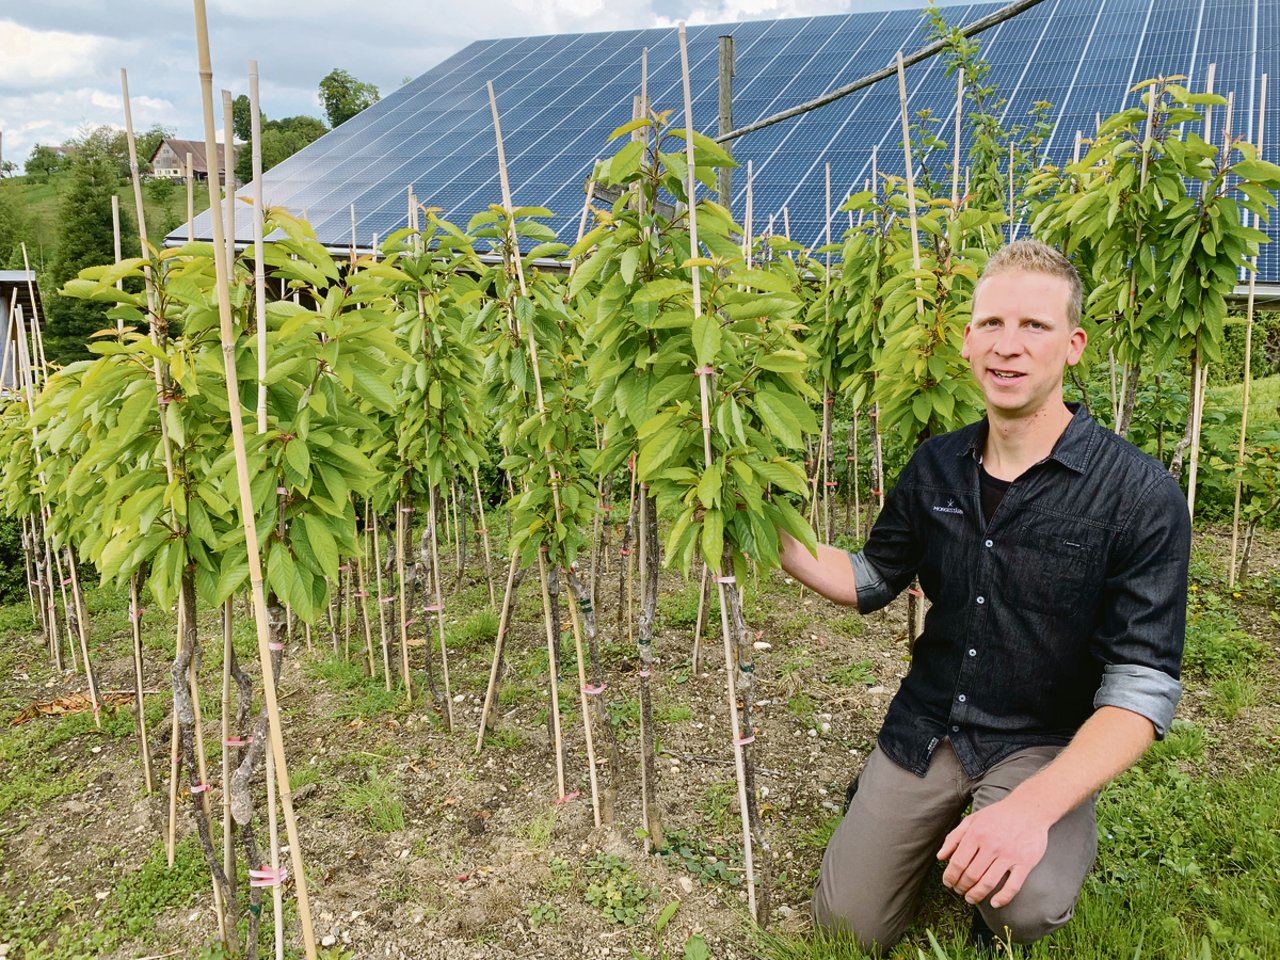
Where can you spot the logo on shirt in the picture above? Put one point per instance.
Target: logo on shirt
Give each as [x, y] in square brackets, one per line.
[949, 508]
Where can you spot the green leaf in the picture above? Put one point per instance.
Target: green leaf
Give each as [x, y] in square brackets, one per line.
[713, 539]
[778, 418]
[298, 456]
[323, 545]
[706, 338]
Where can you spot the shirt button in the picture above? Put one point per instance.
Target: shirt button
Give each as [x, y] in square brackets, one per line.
[962, 698]
[982, 600]
[954, 728]
[987, 543]
[973, 652]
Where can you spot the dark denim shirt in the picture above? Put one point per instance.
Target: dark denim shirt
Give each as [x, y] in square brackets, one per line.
[1072, 597]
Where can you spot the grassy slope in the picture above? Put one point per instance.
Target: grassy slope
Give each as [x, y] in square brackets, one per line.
[39, 205]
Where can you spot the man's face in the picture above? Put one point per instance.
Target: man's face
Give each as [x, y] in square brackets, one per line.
[1018, 341]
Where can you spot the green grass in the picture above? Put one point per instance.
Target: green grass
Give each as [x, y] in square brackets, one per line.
[379, 800]
[1264, 400]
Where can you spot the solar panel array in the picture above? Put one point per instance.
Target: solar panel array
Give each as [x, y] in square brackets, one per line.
[560, 96]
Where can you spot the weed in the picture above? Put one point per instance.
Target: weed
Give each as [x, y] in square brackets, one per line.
[1185, 741]
[707, 862]
[401, 888]
[614, 889]
[505, 738]
[340, 673]
[670, 713]
[379, 800]
[804, 709]
[716, 805]
[300, 776]
[818, 836]
[479, 628]
[1216, 646]
[625, 717]
[562, 875]
[1233, 694]
[542, 914]
[538, 832]
[852, 675]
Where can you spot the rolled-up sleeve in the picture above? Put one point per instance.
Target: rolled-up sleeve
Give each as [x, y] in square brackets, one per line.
[1144, 610]
[889, 559]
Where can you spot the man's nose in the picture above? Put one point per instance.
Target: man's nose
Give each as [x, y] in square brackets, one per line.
[1009, 342]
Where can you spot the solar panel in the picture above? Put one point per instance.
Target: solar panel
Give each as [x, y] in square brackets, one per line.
[559, 96]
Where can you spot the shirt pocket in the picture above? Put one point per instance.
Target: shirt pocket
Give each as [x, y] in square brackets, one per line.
[1056, 566]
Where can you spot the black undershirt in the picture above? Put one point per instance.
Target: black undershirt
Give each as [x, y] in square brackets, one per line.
[993, 491]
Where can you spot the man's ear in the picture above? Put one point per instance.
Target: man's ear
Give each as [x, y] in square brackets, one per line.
[1076, 345]
[964, 347]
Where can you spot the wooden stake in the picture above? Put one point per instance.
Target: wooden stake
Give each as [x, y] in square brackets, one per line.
[247, 515]
[504, 621]
[738, 757]
[228, 824]
[191, 200]
[135, 618]
[484, 535]
[115, 246]
[382, 620]
[259, 268]
[228, 179]
[82, 628]
[955, 153]
[555, 490]
[1248, 360]
[439, 605]
[404, 616]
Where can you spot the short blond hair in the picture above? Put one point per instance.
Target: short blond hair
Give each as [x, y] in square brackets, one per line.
[1036, 257]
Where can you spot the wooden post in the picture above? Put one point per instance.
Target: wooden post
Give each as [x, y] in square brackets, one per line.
[955, 152]
[1248, 360]
[724, 175]
[259, 270]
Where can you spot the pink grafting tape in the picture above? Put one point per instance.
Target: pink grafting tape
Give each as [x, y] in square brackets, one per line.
[743, 741]
[625, 552]
[594, 689]
[283, 491]
[482, 530]
[361, 593]
[813, 481]
[137, 614]
[411, 621]
[644, 672]
[915, 592]
[66, 581]
[345, 568]
[199, 788]
[266, 877]
[567, 797]
[705, 371]
[434, 608]
[406, 509]
[726, 580]
[829, 401]
[606, 507]
[275, 646]
[237, 741]
[390, 599]
[833, 483]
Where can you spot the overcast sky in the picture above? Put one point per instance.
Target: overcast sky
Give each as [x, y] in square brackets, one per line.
[60, 60]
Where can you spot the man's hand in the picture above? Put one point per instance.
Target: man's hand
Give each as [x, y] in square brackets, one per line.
[1004, 841]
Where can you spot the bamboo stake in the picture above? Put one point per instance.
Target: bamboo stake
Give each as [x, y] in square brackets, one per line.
[135, 618]
[246, 503]
[67, 616]
[553, 673]
[362, 594]
[484, 536]
[259, 268]
[82, 628]
[191, 200]
[273, 836]
[229, 182]
[504, 621]
[115, 247]
[228, 824]
[747, 252]
[828, 398]
[382, 621]
[439, 608]
[704, 389]
[955, 154]
[1202, 389]
[404, 626]
[915, 607]
[555, 493]
[1248, 360]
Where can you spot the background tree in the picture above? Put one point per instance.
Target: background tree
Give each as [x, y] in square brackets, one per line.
[281, 139]
[44, 162]
[14, 228]
[84, 240]
[343, 96]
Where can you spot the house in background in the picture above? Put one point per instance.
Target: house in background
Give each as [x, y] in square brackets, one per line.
[170, 159]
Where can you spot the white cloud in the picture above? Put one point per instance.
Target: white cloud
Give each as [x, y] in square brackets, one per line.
[732, 11]
[51, 117]
[34, 58]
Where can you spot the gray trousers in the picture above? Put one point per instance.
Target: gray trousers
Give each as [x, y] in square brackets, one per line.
[881, 853]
